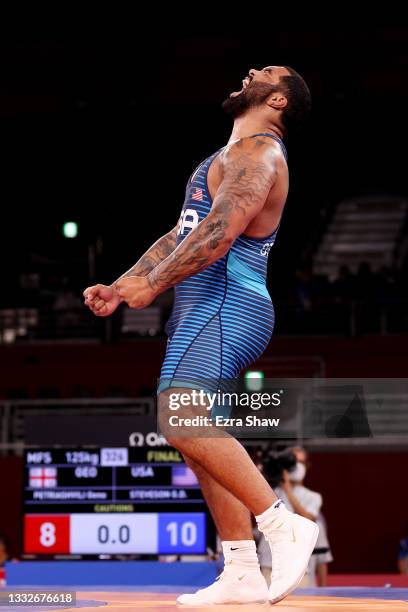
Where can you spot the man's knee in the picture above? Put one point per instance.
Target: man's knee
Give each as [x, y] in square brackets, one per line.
[198, 470]
[184, 444]
[191, 464]
[175, 442]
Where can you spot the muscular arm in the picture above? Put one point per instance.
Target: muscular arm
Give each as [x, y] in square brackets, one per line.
[249, 173]
[103, 300]
[161, 249]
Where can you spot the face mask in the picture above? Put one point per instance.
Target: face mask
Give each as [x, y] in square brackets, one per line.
[298, 473]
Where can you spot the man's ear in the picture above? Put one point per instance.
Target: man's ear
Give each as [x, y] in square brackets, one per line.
[278, 101]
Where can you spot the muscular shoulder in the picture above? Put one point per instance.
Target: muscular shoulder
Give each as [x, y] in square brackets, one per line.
[250, 157]
[258, 149]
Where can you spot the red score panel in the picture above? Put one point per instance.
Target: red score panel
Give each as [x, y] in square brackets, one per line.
[46, 533]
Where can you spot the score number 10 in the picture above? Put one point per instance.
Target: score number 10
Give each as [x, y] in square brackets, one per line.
[182, 533]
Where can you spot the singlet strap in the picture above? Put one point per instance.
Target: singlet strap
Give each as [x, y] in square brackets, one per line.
[278, 140]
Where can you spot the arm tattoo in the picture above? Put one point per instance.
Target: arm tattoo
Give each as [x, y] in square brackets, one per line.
[153, 256]
[242, 194]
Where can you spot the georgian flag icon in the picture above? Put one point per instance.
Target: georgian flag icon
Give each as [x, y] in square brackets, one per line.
[42, 477]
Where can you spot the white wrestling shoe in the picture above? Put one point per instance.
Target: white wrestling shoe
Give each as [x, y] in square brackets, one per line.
[236, 585]
[292, 539]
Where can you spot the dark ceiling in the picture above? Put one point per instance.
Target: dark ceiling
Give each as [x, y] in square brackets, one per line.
[106, 130]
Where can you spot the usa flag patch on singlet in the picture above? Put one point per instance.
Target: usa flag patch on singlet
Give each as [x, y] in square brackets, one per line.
[198, 194]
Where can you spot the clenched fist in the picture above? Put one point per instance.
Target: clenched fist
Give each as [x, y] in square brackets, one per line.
[102, 300]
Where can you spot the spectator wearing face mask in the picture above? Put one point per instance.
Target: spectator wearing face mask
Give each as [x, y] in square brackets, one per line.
[292, 491]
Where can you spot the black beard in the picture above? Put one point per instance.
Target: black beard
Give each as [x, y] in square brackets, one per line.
[254, 95]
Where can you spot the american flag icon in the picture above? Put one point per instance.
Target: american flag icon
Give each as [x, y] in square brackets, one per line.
[182, 476]
[198, 194]
[43, 477]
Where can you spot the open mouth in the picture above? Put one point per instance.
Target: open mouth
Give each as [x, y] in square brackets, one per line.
[245, 83]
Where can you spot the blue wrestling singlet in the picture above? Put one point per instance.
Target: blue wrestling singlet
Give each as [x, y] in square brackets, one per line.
[223, 317]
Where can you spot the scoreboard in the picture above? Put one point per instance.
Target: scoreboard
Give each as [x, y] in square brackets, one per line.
[112, 501]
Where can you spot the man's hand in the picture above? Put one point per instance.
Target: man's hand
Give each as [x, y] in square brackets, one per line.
[102, 300]
[136, 291]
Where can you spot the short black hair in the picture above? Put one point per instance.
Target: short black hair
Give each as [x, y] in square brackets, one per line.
[299, 100]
